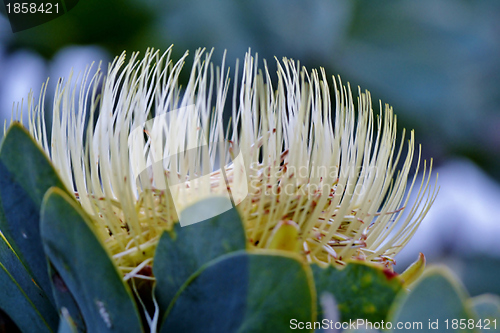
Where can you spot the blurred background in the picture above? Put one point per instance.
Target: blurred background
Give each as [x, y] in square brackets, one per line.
[437, 62]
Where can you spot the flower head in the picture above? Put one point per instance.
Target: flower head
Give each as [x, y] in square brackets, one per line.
[304, 168]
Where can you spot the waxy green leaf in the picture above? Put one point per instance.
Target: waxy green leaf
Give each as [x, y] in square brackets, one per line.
[25, 175]
[64, 299]
[244, 292]
[435, 301]
[183, 251]
[24, 302]
[360, 290]
[78, 256]
[66, 324]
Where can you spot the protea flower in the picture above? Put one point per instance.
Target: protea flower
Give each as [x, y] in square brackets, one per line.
[308, 172]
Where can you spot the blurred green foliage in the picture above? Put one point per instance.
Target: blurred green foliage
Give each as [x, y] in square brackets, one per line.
[437, 62]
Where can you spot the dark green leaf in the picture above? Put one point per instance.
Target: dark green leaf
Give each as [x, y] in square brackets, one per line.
[361, 290]
[244, 292]
[64, 299]
[66, 324]
[78, 256]
[24, 302]
[182, 252]
[25, 175]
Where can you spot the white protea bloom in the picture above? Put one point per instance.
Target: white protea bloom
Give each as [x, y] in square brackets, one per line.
[293, 155]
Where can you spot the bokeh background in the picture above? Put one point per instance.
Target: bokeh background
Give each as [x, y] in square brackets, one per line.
[437, 62]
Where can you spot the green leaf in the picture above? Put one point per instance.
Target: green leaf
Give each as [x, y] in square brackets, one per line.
[64, 299]
[361, 290]
[487, 308]
[244, 292]
[66, 324]
[24, 302]
[78, 256]
[182, 252]
[25, 175]
[436, 298]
